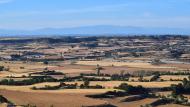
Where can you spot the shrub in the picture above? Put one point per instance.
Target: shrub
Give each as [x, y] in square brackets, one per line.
[2, 68]
[132, 89]
[46, 62]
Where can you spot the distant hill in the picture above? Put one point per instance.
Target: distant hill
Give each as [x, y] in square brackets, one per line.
[97, 30]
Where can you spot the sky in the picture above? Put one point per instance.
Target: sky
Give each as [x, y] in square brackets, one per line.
[36, 14]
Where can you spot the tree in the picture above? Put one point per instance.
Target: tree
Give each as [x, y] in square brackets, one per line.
[46, 62]
[141, 79]
[155, 77]
[86, 83]
[15, 57]
[177, 89]
[176, 53]
[122, 72]
[156, 62]
[3, 99]
[98, 68]
[2, 68]
[133, 89]
[185, 81]
[189, 77]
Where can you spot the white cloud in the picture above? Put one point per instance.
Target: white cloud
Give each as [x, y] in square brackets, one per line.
[5, 1]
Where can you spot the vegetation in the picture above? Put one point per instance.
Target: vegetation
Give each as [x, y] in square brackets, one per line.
[155, 77]
[48, 72]
[102, 105]
[117, 77]
[5, 100]
[98, 68]
[156, 62]
[182, 88]
[109, 94]
[2, 68]
[46, 62]
[143, 57]
[138, 97]
[133, 90]
[29, 105]
[27, 81]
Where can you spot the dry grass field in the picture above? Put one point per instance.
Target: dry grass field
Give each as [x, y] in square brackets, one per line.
[18, 68]
[70, 99]
[115, 56]
[173, 77]
[128, 64]
[130, 67]
[172, 105]
[111, 84]
[76, 97]
[43, 99]
[137, 78]
[23, 67]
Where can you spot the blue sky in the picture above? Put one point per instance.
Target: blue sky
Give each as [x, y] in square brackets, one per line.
[35, 14]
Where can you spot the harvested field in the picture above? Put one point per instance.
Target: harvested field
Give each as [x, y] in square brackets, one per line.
[28, 88]
[66, 58]
[137, 78]
[172, 105]
[173, 77]
[140, 102]
[44, 99]
[73, 70]
[22, 67]
[111, 84]
[129, 64]
[118, 102]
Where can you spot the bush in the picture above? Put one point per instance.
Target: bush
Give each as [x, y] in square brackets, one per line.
[161, 102]
[46, 62]
[134, 98]
[86, 83]
[96, 87]
[181, 88]
[2, 68]
[109, 94]
[47, 87]
[3, 99]
[155, 77]
[132, 89]
[31, 81]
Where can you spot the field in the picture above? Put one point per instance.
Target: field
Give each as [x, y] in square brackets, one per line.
[18, 68]
[173, 77]
[62, 71]
[128, 64]
[43, 99]
[65, 97]
[108, 85]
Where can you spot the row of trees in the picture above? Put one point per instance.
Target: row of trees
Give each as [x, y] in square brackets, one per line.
[132, 89]
[2, 68]
[182, 88]
[62, 85]
[27, 81]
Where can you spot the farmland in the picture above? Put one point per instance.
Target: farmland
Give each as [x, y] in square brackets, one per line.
[65, 71]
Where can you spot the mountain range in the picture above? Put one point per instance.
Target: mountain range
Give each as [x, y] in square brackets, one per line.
[97, 30]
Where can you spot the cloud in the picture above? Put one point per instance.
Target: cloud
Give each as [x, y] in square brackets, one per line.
[5, 1]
